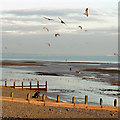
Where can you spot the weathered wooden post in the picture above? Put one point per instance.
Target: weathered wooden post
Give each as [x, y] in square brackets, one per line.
[11, 95]
[5, 83]
[73, 100]
[43, 97]
[58, 98]
[38, 84]
[115, 103]
[22, 85]
[46, 86]
[14, 85]
[86, 100]
[28, 97]
[101, 102]
[30, 85]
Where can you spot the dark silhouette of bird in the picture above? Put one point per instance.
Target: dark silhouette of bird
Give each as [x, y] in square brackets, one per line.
[86, 12]
[57, 34]
[46, 28]
[49, 44]
[61, 20]
[80, 27]
[47, 18]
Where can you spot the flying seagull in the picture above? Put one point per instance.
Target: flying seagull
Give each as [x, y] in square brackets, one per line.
[80, 27]
[46, 28]
[86, 12]
[49, 44]
[57, 34]
[47, 18]
[61, 20]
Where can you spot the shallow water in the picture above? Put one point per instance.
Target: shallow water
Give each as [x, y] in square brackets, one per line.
[66, 87]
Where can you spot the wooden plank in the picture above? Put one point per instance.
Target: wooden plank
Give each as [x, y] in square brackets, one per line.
[29, 86]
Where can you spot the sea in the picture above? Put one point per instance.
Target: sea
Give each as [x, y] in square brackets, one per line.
[35, 57]
[65, 86]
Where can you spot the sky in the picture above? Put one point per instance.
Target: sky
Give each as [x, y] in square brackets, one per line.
[23, 22]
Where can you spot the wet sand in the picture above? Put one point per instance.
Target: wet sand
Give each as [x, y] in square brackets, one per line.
[12, 109]
[88, 69]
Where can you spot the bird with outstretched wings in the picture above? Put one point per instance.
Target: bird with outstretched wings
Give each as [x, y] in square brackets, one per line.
[47, 18]
[46, 28]
[57, 34]
[80, 27]
[61, 20]
[86, 12]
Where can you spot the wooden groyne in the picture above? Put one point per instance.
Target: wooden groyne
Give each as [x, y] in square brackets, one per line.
[30, 86]
[58, 103]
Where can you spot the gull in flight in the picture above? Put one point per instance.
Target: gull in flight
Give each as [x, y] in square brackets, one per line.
[47, 18]
[61, 20]
[49, 44]
[46, 28]
[57, 34]
[86, 12]
[80, 27]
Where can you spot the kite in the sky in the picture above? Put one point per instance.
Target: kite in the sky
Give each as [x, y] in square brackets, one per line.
[47, 18]
[86, 12]
[61, 20]
[57, 34]
[46, 28]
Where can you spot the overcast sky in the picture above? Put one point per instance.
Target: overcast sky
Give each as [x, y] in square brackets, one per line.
[23, 22]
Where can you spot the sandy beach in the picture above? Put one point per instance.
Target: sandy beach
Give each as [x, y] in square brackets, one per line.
[19, 107]
[12, 109]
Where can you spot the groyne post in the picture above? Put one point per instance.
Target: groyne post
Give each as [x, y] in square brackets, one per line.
[38, 84]
[101, 102]
[58, 98]
[86, 100]
[30, 85]
[11, 95]
[5, 83]
[46, 86]
[43, 97]
[14, 85]
[115, 103]
[28, 97]
[22, 85]
[73, 100]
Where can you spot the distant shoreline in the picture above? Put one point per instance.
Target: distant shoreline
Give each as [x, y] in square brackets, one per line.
[32, 62]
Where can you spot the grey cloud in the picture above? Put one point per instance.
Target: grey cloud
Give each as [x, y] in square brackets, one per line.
[22, 20]
[69, 15]
[54, 12]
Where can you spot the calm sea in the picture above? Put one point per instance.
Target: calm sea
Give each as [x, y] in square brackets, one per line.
[101, 59]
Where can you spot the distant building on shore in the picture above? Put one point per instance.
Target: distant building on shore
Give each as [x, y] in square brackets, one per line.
[116, 54]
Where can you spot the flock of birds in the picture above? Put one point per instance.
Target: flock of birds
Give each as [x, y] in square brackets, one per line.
[57, 34]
